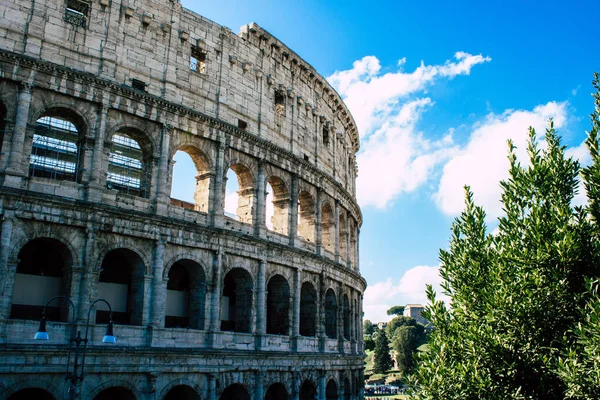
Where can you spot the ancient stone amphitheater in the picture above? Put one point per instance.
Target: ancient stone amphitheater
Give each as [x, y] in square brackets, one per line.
[96, 99]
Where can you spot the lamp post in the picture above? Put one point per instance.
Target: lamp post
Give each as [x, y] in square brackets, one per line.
[78, 343]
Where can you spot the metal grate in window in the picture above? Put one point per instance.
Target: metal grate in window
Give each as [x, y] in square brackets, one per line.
[127, 171]
[76, 12]
[55, 150]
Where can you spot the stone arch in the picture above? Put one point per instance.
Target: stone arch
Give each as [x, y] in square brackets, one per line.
[308, 390]
[114, 383]
[123, 244]
[204, 167]
[186, 295]
[348, 390]
[343, 237]
[42, 233]
[277, 391]
[306, 216]
[235, 391]
[327, 227]
[43, 272]
[130, 161]
[182, 392]
[346, 316]
[236, 301]
[32, 382]
[57, 146]
[331, 390]
[308, 309]
[331, 314]
[245, 193]
[278, 219]
[278, 306]
[180, 382]
[186, 255]
[121, 282]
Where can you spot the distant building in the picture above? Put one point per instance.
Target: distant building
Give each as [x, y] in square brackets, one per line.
[414, 311]
[382, 325]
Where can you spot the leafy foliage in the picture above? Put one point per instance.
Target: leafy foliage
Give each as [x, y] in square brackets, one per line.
[516, 295]
[383, 360]
[405, 343]
[395, 310]
[369, 328]
[397, 322]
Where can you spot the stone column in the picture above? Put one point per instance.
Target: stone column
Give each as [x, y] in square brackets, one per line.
[157, 315]
[321, 314]
[215, 289]
[217, 189]
[336, 221]
[357, 262]
[340, 318]
[260, 210]
[342, 388]
[15, 160]
[98, 154]
[86, 276]
[296, 310]
[295, 386]
[348, 248]
[261, 303]
[6, 272]
[259, 390]
[359, 328]
[293, 224]
[319, 223]
[322, 385]
[211, 390]
[162, 176]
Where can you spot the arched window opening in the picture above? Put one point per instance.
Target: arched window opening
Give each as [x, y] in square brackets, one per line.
[346, 315]
[278, 306]
[276, 391]
[121, 283]
[328, 228]
[343, 238]
[356, 320]
[331, 391]
[308, 391]
[128, 166]
[235, 392]
[31, 393]
[186, 294]
[239, 194]
[44, 264]
[353, 245]
[236, 301]
[306, 217]
[2, 124]
[115, 393]
[182, 392]
[55, 150]
[308, 310]
[347, 389]
[191, 179]
[330, 314]
[277, 205]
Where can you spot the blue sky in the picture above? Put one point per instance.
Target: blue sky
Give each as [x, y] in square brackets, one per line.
[436, 88]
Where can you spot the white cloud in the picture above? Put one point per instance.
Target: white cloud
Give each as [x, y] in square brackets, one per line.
[396, 157]
[410, 289]
[482, 163]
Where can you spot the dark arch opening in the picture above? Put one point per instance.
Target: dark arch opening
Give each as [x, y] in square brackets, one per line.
[331, 391]
[346, 316]
[121, 283]
[308, 391]
[278, 306]
[330, 314]
[276, 391]
[42, 273]
[236, 301]
[2, 124]
[347, 389]
[308, 310]
[186, 294]
[30, 394]
[235, 392]
[182, 392]
[115, 393]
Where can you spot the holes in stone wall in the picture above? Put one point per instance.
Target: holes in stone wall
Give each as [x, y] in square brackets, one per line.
[343, 240]
[128, 166]
[308, 390]
[278, 306]
[306, 216]
[328, 228]
[277, 206]
[198, 60]
[330, 314]
[186, 296]
[279, 104]
[191, 165]
[276, 391]
[346, 317]
[239, 194]
[77, 12]
[182, 392]
[331, 391]
[236, 301]
[308, 310]
[235, 392]
[2, 124]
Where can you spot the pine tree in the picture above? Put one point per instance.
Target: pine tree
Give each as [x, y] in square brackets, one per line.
[515, 295]
[383, 361]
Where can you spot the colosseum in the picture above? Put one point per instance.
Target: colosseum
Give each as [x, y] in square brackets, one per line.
[96, 99]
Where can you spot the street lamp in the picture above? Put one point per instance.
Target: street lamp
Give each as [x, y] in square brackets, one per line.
[77, 373]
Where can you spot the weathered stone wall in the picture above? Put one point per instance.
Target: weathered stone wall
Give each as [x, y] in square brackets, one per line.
[52, 68]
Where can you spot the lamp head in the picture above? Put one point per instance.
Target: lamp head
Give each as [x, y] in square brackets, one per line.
[109, 337]
[42, 334]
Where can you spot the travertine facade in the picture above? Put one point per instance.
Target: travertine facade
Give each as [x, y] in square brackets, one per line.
[96, 97]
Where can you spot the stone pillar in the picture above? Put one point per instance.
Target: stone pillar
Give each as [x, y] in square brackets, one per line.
[260, 210]
[211, 389]
[348, 248]
[357, 262]
[295, 386]
[261, 303]
[336, 221]
[359, 327]
[215, 290]
[15, 160]
[341, 388]
[157, 315]
[321, 314]
[296, 310]
[6, 271]
[293, 224]
[217, 189]
[340, 318]
[319, 223]
[259, 390]
[162, 177]
[87, 276]
[322, 385]
[98, 155]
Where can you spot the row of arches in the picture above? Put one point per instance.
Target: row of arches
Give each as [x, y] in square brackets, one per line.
[129, 161]
[237, 391]
[44, 270]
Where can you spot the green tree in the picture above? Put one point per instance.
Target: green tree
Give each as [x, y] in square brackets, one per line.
[517, 294]
[396, 310]
[368, 328]
[369, 343]
[397, 322]
[405, 342]
[383, 361]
